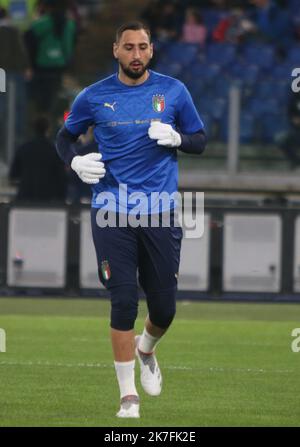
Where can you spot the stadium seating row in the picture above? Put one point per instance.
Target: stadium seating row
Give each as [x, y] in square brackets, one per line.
[265, 83]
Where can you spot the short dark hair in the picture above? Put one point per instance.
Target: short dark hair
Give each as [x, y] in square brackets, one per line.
[135, 26]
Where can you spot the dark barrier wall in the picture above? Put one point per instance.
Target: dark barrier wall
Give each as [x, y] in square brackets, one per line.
[250, 253]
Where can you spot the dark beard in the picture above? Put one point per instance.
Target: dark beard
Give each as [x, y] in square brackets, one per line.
[133, 74]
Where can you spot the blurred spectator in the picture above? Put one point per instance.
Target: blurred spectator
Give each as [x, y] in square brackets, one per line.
[71, 9]
[168, 24]
[233, 28]
[219, 4]
[150, 15]
[272, 23]
[50, 41]
[37, 169]
[73, 12]
[289, 142]
[14, 60]
[71, 87]
[297, 27]
[194, 30]
[13, 54]
[21, 12]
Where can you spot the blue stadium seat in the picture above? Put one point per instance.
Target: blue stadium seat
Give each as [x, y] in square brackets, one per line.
[221, 53]
[208, 123]
[270, 88]
[293, 6]
[203, 105]
[265, 89]
[293, 56]
[259, 107]
[222, 86]
[282, 91]
[261, 55]
[212, 106]
[282, 72]
[218, 108]
[197, 88]
[182, 53]
[247, 74]
[205, 72]
[247, 128]
[169, 69]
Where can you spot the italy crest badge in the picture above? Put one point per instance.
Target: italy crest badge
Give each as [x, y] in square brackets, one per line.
[105, 269]
[158, 102]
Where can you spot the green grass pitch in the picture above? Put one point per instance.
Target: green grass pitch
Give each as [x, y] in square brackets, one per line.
[223, 364]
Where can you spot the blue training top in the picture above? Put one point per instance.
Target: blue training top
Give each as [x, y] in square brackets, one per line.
[122, 115]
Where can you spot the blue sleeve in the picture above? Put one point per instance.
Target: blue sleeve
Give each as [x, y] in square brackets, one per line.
[187, 118]
[80, 117]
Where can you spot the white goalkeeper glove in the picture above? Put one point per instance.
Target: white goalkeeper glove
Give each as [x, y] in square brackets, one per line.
[164, 134]
[88, 167]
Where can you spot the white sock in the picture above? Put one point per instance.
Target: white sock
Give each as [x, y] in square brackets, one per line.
[125, 376]
[147, 342]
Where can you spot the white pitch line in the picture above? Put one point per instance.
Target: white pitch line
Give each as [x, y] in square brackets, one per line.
[177, 368]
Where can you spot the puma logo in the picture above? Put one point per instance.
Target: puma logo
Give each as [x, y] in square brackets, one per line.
[111, 106]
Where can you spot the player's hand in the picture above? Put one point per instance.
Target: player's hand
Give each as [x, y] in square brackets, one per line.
[164, 134]
[89, 168]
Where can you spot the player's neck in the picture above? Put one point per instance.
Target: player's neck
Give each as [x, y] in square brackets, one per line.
[129, 81]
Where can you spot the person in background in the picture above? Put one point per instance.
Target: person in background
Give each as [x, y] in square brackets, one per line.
[297, 28]
[50, 41]
[15, 61]
[168, 27]
[13, 54]
[220, 5]
[71, 8]
[194, 30]
[150, 15]
[272, 23]
[35, 165]
[234, 28]
[21, 12]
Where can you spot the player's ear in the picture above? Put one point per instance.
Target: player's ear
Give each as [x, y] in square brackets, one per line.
[151, 50]
[115, 50]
